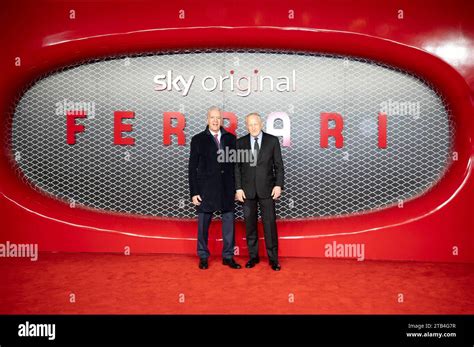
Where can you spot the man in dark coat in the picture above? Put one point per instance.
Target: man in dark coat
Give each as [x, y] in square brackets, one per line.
[260, 184]
[212, 186]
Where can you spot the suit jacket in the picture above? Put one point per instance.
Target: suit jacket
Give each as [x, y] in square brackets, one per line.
[213, 181]
[259, 180]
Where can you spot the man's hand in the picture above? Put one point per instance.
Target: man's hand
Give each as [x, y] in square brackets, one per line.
[197, 200]
[276, 192]
[240, 195]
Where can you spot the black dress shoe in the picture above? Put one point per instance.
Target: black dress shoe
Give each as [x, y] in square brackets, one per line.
[275, 266]
[203, 264]
[231, 263]
[252, 262]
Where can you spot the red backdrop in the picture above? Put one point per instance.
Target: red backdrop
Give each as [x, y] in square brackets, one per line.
[45, 37]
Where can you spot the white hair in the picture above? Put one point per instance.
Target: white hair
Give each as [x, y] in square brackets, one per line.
[213, 108]
[252, 114]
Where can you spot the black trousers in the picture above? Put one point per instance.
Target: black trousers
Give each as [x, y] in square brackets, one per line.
[267, 206]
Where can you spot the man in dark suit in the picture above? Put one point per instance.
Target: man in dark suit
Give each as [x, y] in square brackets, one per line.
[260, 184]
[212, 186]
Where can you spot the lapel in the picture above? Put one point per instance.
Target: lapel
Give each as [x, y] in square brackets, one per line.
[247, 142]
[211, 138]
[262, 146]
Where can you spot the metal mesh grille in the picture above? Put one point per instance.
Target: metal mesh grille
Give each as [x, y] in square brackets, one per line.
[151, 179]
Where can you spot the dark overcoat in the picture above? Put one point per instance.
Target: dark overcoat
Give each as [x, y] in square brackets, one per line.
[214, 181]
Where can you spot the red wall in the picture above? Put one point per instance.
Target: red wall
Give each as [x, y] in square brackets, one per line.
[426, 229]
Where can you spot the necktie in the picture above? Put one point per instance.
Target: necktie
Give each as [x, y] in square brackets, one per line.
[256, 147]
[217, 140]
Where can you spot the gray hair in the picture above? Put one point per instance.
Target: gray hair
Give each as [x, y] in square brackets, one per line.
[253, 114]
[213, 108]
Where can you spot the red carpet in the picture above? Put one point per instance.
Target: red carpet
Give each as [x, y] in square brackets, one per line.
[110, 284]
